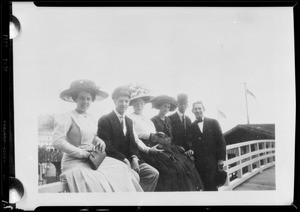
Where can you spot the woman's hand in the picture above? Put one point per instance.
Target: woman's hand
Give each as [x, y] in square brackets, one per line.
[86, 153]
[153, 150]
[100, 144]
[135, 165]
[126, 161]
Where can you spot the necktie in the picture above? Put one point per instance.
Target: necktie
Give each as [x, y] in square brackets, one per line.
[198, 120]
[123, 124]
[183, 121]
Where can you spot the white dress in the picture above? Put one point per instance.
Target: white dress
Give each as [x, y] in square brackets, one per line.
[74, 133]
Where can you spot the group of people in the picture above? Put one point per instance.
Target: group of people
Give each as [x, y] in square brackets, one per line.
[165, 153]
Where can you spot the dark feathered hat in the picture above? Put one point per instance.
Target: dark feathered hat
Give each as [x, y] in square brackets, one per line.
[162, 99]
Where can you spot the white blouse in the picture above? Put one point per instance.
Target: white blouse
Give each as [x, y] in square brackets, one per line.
[143, 127]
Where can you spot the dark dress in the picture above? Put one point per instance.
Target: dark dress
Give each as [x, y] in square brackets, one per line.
[186, 172]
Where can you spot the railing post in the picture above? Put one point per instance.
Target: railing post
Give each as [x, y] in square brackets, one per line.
[258, 156]
[226, 169]
[272, 157]
[250, 165]
[265, 153]
[239, 171]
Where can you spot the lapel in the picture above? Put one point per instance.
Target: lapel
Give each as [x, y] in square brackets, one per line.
[128, 127]
[178, 119]
[197, 131]
[188, 121]
[116, 122]
[74, 117]
[205, 126]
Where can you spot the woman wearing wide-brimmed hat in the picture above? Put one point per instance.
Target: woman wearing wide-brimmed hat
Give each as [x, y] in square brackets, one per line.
[173, 175]
[162, 123]
[75, 136]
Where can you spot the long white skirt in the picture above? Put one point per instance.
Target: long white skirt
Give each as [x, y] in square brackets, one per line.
[111, 176]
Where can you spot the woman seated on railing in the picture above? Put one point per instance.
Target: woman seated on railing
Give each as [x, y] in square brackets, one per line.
[75, 135]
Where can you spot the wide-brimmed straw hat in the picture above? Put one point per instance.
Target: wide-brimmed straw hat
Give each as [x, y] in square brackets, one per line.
[162, 99]
[140, 94]
[83, 85]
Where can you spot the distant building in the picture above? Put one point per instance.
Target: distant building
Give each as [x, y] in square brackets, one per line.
[248, 132]
[46, 122]
[45, 138]
[45, 129]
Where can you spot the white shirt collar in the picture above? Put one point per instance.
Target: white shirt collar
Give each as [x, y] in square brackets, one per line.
[118, 114]
[179, 113]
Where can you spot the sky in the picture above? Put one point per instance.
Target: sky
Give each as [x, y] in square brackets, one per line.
[205, 52]
[208, 53]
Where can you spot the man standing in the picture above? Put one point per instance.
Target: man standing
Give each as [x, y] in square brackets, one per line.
[117, 131]
[208, 145]
[180, 124]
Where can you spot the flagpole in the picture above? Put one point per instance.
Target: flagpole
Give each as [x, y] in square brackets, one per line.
[217, 113]
[246, 104]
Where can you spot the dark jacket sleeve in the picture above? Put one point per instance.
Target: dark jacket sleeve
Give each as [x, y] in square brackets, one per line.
[220, 141]
[190, 137]
[104, 133]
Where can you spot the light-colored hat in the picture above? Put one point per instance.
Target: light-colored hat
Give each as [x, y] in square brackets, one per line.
[83, 85]
[140, 94]
[162, 99]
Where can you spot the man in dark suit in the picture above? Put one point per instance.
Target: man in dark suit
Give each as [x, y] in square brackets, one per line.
[180, 124]
[208, 145]
[117, 131]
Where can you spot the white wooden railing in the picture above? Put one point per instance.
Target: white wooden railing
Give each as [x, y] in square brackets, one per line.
[243, 161]
[246, 159]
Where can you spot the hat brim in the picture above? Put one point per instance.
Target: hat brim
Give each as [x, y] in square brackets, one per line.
[157, 102]
[66, 95]
[146, 98]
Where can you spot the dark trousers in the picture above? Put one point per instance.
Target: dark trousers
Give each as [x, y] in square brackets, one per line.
[208, 177]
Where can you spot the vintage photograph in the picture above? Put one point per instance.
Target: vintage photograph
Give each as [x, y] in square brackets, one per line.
[147, 100]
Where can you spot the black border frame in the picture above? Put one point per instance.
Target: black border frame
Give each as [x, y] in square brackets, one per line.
[7, 109]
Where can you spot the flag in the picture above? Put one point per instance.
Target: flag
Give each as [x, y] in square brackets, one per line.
[221, 114]
[250, 93]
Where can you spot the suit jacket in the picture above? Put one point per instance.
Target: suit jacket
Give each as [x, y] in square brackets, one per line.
[180, 136]
[118, 145]
[209, 147]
